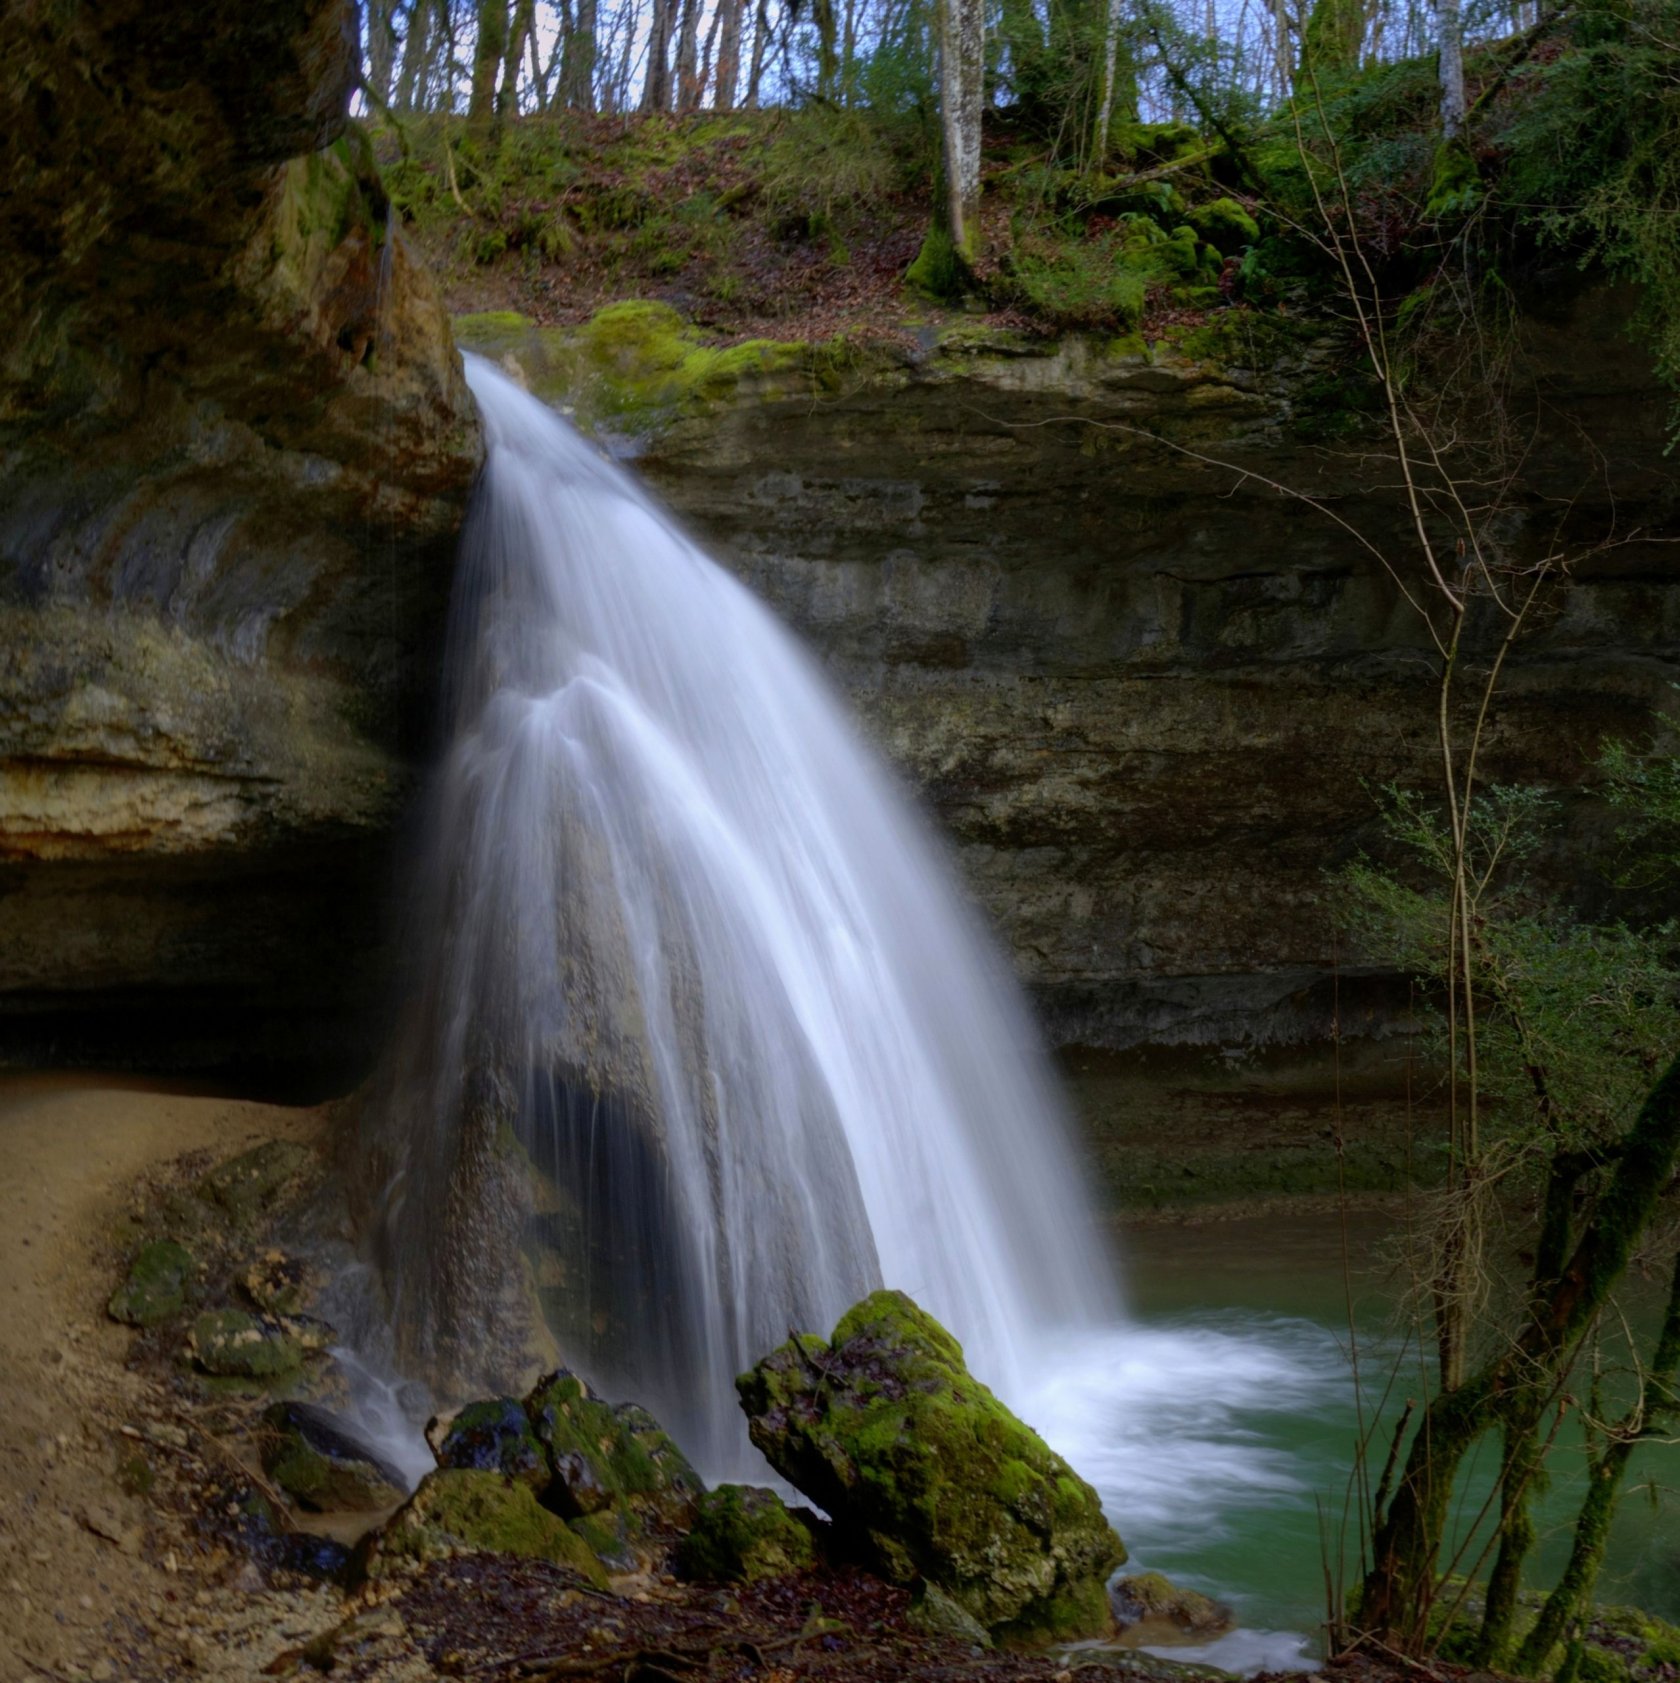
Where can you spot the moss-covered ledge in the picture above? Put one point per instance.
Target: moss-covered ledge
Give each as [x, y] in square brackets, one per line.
[641, 368]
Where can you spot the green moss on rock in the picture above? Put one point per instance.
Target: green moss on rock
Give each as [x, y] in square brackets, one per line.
[156, 1286]
[247, 1186]
[640, 364]
[926, 1475]
[1225, 225]
[599, 1456]
[743, 1532]
[1151, 1598]
[231, 1344]
[456, 1509]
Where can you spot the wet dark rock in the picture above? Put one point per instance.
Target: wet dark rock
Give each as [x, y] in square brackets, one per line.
[495, 1436]
[157, 1285]
[1150, 1607]
[927, 1476]
[741, 1533]
[321, 1464]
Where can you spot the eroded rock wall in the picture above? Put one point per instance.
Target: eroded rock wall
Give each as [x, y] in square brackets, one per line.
[1150, 698]
[235, 447]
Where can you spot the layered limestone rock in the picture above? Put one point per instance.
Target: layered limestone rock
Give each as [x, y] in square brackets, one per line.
[235, 447]
[1151, 697]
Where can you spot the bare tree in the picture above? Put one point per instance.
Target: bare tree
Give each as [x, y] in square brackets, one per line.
[962, 63]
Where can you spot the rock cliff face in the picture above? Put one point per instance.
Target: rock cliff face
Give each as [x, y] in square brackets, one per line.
[235, 447]
[1149, 697]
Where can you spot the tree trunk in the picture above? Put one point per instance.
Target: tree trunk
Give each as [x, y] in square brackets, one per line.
[1116, 76]
[381, 50]
[577, 48]
[487, 59]
[1658, 1400]
[524, 28]
[1452, 68]
[656, 83]
[1332, 38]
[688, 57]
[1407, 1539]
[761, 42]
[962, 47]
[728, 74]
[411, 82]
[708, 55]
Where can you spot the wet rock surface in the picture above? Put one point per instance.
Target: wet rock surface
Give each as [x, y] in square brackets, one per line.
[321, 1464]
[235, 447]
[926, 1476]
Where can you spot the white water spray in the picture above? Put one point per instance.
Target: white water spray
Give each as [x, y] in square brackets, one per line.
[691, 944]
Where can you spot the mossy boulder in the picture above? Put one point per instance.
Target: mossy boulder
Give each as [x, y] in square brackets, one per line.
[232, 1344]
[599, 1456]
[156, 1286]
[1154, 1608]
[743, 1532]
[927, 1476]
[1225, 225]
[496, 1436]
[458, 1509]
[247, 1186]
[322, 1466]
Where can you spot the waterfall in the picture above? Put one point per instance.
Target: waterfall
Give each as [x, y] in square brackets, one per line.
[703, 1043]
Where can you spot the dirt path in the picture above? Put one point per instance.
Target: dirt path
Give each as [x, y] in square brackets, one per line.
[96, 1582]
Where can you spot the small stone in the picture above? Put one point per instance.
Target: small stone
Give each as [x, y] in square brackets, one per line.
[156, 1286]
[233, 1344]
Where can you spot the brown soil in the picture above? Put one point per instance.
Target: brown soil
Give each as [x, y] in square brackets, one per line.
[102, 1581]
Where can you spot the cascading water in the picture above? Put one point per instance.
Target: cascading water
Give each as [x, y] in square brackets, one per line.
[703, 1045]
[686, 943]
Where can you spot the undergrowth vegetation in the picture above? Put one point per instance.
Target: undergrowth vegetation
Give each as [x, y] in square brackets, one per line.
[810, 218]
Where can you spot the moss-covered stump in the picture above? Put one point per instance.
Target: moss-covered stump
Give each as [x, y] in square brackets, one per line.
[600, 1457]
[927, 1476]
[319, 1465]
[1150, 1607]
[456, 1509]
[742, 1533]
[156, 1286]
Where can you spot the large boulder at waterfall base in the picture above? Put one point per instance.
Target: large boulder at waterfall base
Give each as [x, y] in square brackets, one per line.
[929, 1478]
